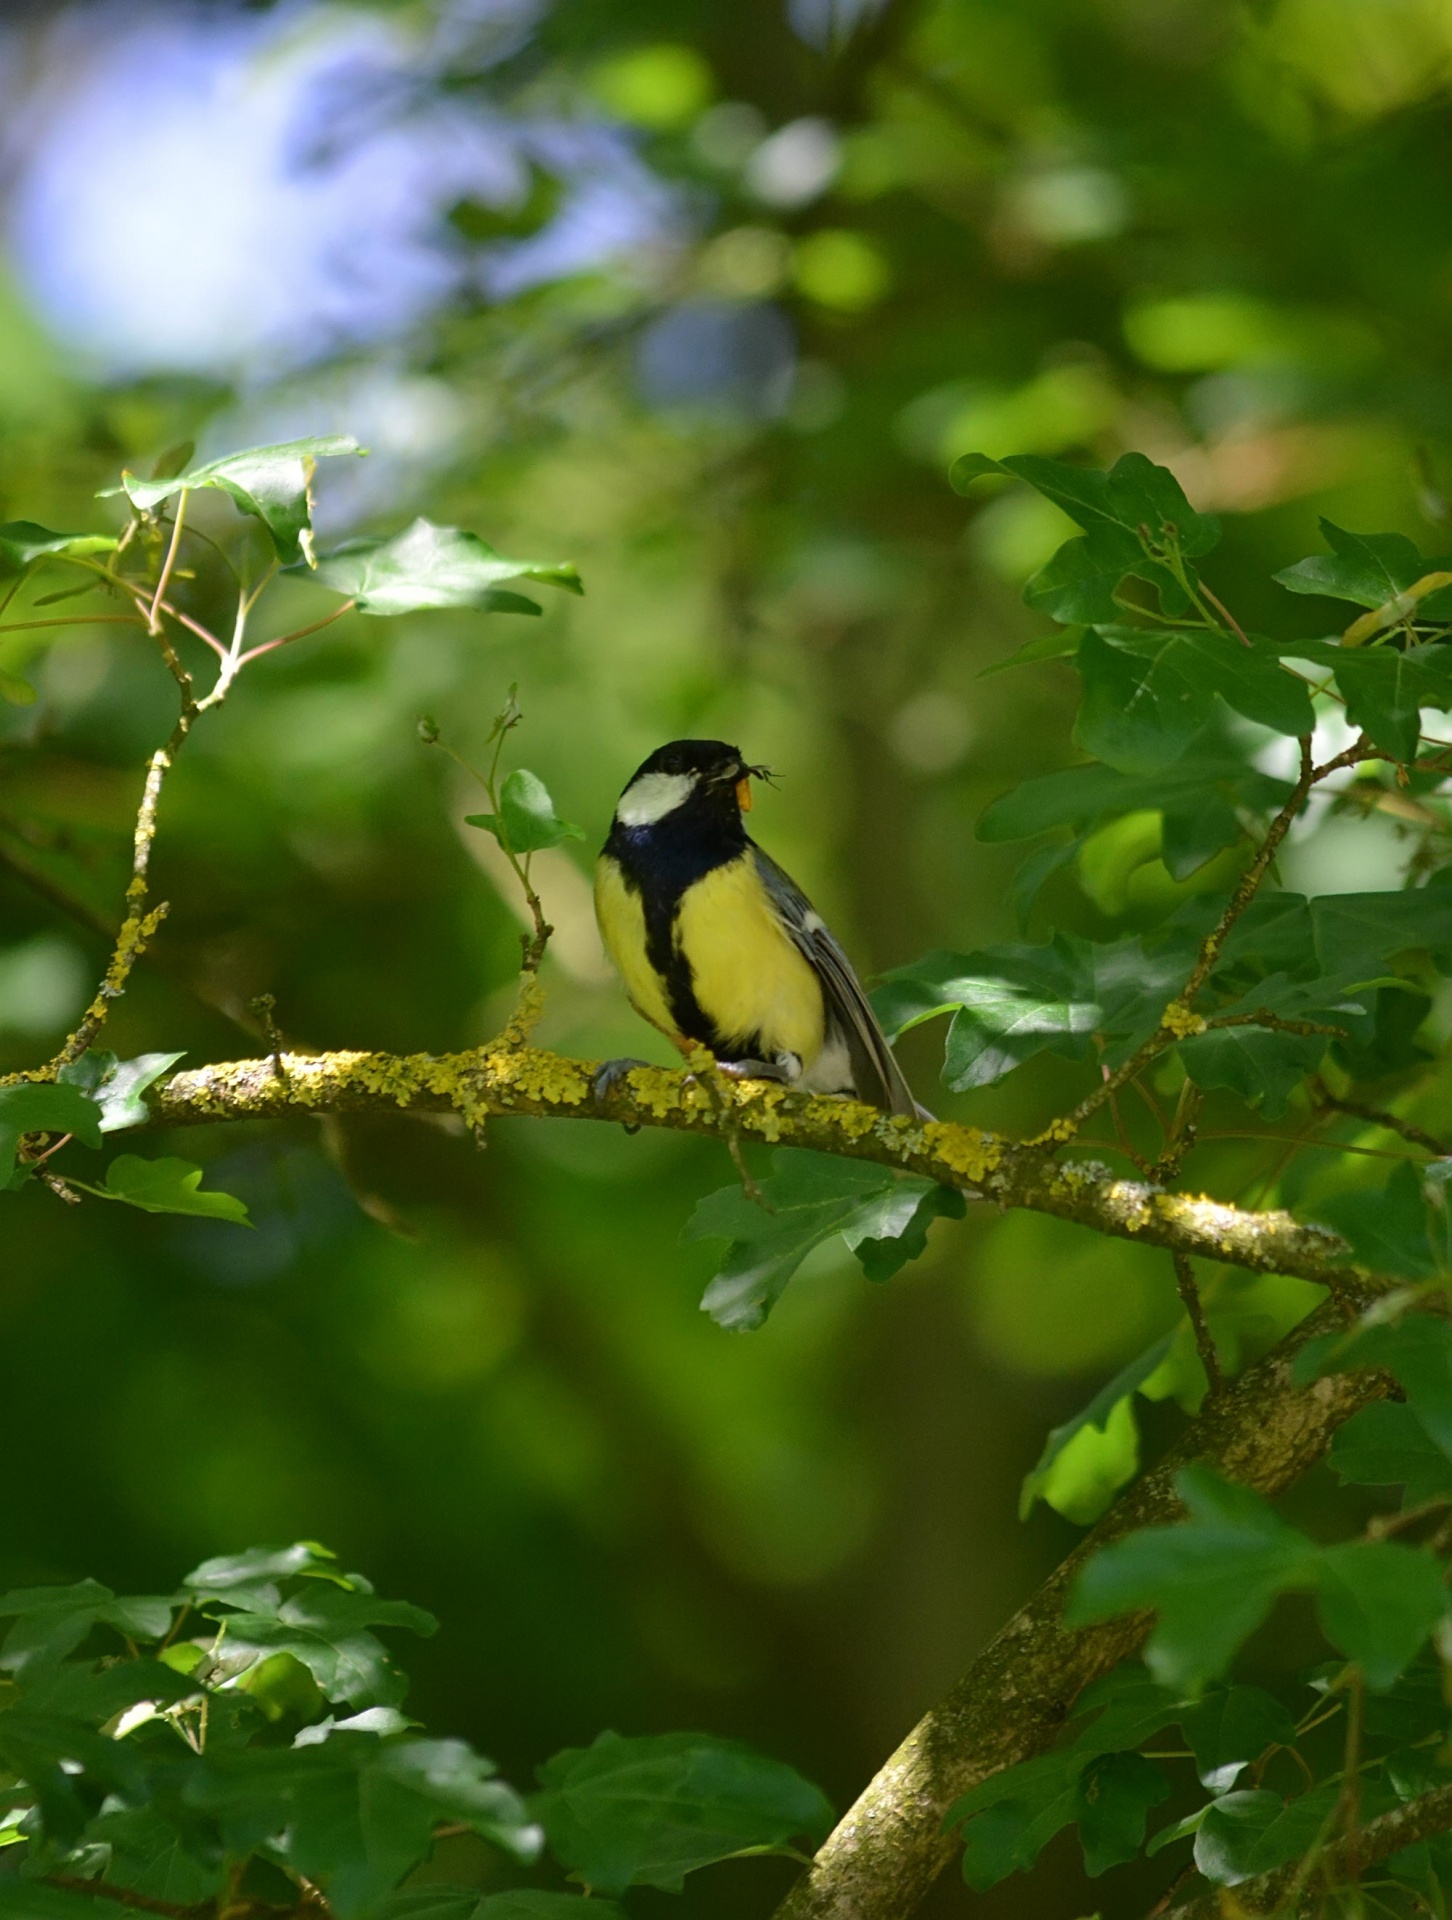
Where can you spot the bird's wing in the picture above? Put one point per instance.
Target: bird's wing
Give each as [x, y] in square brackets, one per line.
[876, 1074]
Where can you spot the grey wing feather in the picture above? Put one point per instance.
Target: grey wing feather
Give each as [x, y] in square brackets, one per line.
[876, 1074]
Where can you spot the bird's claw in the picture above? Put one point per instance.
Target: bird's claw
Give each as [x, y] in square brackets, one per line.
[607, 1078]
[755, 1070]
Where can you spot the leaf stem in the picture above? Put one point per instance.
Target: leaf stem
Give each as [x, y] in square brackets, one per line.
[178, 521]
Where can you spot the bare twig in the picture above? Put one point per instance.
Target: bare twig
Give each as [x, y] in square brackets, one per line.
[299, 633]
[1328, 1102]
[123, 1896]
[1189, 1292]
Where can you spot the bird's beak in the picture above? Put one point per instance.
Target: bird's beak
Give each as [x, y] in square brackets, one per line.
[743, 793]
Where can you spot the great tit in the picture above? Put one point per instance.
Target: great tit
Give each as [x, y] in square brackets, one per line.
[717, 945]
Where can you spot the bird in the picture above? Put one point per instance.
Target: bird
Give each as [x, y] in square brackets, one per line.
[718, 947]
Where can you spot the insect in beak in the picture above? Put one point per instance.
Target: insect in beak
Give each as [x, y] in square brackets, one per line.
[743, 793]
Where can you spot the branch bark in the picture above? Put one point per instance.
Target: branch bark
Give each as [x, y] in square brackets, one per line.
[879, 1863]
[503, 1080]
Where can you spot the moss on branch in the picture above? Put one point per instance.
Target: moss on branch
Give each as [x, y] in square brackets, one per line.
[508, 1079]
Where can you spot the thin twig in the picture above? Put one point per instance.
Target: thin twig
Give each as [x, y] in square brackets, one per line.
[1178, 1017]
[1189, 1292]
[75, 620]
[1328, 1102]
[300, 633]
[1220, 607]
[123, 1896]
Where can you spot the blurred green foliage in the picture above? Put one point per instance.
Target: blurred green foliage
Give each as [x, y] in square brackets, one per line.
[1219, 236]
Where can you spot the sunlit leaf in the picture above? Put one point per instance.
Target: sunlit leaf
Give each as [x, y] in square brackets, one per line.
[271, 483]
[167, 1186]
[22, 543]
[117, 1085]
[429, 567]
[527, 821]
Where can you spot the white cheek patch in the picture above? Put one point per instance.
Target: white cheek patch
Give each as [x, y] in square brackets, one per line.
[652, 797]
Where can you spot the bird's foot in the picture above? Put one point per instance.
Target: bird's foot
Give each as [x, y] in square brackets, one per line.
[607, 1077]
[785, 1069]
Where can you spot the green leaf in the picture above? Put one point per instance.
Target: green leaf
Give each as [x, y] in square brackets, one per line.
[43, 1106]
[1115, 1794]
[1048, 646]
[249, 1580]
[1011, 1816]
[430, 567]
[51, 1622]
[1231, 1727]
[887, 1235]
[1378, 1602]
[1366, 568]
[326, 1629]
[1147, 695]
[22, 543]
[1007, 1834]
[1010, 1003]
[81, 1690]
[30, 1900]
[1251, 1832]
[1134, 517]
[1386, 1445]
[646, 1812]
[270, 483]
[527, 821]
[167, 1186]
[1077, 585]
[1212, 1579]
[356, 1813]
[18, 692]
[117, 1085]
[1386, 1229]
[1087, 1459]
[157, 1859]
[1083, 796]
[883, 1217]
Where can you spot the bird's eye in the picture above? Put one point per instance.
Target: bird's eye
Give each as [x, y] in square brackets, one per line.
[674, 763]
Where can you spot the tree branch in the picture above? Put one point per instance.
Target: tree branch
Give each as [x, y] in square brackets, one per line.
[503, 1079]
[1378, 1840]
[1262, 1432]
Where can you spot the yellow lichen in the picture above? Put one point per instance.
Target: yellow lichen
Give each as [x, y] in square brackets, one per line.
[965, 1150]
[1182, 1021]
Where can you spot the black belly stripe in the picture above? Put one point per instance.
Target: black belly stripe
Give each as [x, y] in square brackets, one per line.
[660, 863]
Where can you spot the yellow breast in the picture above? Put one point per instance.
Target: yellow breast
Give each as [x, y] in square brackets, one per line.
[749, 976]
[622, 928]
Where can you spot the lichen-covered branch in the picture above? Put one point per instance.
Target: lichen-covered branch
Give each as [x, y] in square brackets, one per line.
[507, 1079]
[1263, 1432]
[1378, 1840]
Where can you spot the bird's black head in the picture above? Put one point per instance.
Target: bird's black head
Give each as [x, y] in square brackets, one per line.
[703, 781]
